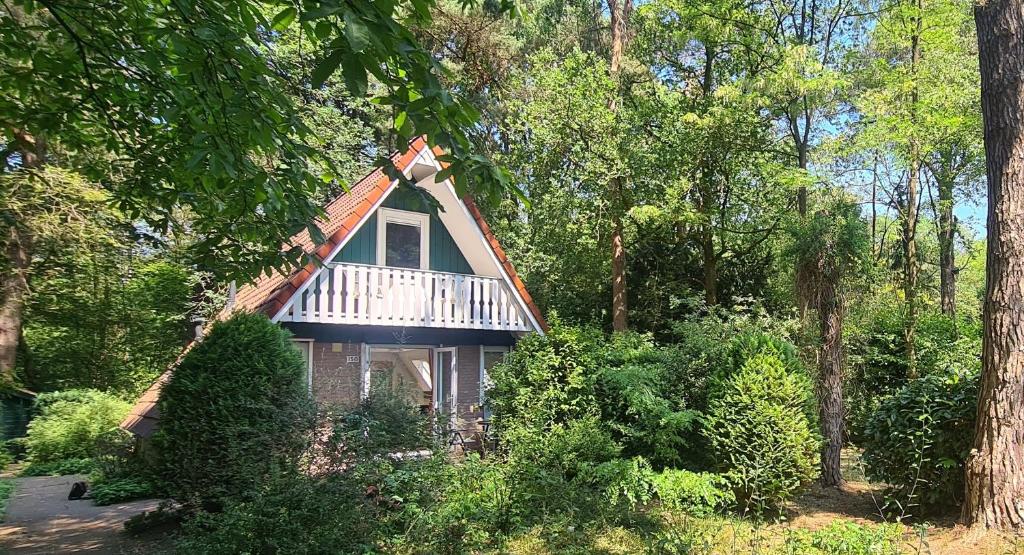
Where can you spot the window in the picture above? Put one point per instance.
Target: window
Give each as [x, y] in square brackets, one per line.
[305, 347]
[489, 356]
[403, 239]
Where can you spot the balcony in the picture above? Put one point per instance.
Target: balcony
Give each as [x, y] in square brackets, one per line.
[381, 296]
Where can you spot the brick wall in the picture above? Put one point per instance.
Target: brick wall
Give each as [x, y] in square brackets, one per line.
[469, 384]
[335, 380]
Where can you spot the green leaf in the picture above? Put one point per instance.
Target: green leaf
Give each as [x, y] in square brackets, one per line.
[319, 13]
[443, 174]
[356, 32]
[400, 119]
[355, 75]
[322, 29]
[284, 18]
[326, 67]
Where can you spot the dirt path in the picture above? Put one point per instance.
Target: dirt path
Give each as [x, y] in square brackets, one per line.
[40, 519]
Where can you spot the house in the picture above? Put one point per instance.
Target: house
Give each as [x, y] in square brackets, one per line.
[418, 300]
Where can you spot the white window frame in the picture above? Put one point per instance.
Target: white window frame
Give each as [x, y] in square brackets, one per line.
[309, 362]
[418, 219]
[436, 379]
[483, 369]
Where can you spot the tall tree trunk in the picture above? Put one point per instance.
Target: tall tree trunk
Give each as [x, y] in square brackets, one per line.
[801, 161]
[710, 260]
[995, 468]
[801, 279]
[620, 306]
[874, 210]
[15, 288]
[910, 208]
[947, 261]
[705, 195]
[830, 379]
[619, 10]
[15, 279]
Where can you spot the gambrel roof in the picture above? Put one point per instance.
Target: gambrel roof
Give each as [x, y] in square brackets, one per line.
[269, 294]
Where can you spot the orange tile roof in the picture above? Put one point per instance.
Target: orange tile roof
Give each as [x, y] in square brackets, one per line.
[269, 293]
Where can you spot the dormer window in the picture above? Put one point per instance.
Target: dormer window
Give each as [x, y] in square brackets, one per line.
[403, 239]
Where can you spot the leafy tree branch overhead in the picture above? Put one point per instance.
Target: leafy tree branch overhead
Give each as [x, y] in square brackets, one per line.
[173, 106]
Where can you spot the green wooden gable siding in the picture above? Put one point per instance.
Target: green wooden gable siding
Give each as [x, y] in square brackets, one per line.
[445, 255]
[362, 248]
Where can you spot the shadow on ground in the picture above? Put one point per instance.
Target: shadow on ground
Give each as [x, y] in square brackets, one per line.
[40, 519]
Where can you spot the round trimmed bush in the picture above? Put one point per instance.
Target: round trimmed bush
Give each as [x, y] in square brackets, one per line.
[234, 412]
[760, 434]
[918, 439]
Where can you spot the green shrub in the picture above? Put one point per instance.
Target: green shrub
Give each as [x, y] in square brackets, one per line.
[476, 503]
[643, 392]
[117, 490]
[373, 503]
[384, 422]
[68, 424]
[760, 435]
[748, 344]
[621, 481]
[286, 514]
[235, 411]
[699, 494]
[846, 538]
[6, 458]
[546, 379]
[59, 468]
[918, 439]
[6, 489]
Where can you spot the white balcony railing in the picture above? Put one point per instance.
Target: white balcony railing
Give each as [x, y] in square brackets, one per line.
[376, 295]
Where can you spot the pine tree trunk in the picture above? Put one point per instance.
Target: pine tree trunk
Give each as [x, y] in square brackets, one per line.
[619, 10]
[994, 494]
[15, 288]
[15, 278]
[947, 260]
[830, 379]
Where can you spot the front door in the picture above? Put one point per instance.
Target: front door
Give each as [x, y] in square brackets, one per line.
[445, 380]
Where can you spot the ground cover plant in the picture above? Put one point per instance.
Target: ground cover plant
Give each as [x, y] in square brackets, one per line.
[6, 489]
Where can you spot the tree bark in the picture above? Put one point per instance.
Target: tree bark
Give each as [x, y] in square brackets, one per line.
[994, 494]
[705, 196]
[710, 260]
[910, 271]
[15, 279]
[619, 10]
[620, 304]
[15, 289]
[947, 257]
[830, 379]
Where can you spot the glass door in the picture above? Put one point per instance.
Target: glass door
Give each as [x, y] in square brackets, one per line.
[445, 381]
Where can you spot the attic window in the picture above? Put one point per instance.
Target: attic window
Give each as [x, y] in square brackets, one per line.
[403, 239]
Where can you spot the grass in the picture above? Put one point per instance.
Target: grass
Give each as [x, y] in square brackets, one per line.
[6, 489]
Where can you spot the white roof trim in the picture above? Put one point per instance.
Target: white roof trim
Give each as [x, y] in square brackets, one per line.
[490, 251]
